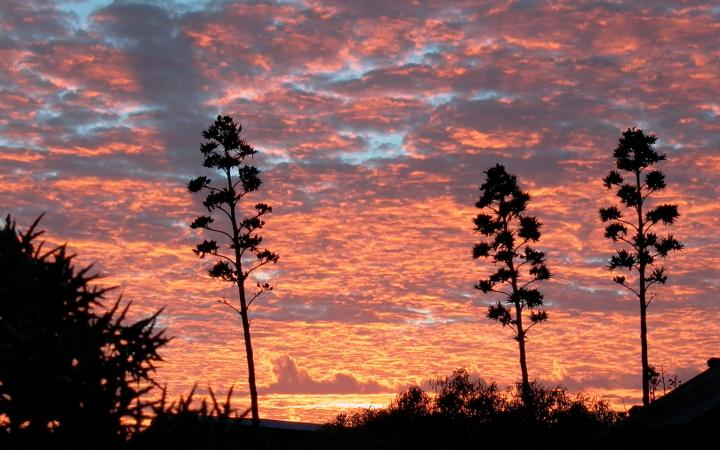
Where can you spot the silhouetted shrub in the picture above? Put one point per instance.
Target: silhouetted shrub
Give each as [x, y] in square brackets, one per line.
[458, 397]
[188, 424]
[72, 373]
[462, 413]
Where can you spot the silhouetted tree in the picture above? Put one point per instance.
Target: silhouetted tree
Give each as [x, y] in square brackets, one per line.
[508, 231]
[641, 247]
[226, 153]
[72, 373]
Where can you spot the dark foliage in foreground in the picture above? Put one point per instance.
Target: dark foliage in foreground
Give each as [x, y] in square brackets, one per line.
[191, 424]
[186, 424]
[72, 373]
[462, 413]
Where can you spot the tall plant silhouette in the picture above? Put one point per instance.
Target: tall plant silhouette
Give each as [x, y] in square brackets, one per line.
[226, 153]
[508, 231]
[72, 372]
[640, 247]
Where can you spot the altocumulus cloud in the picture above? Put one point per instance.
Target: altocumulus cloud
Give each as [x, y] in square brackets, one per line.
[374, 122]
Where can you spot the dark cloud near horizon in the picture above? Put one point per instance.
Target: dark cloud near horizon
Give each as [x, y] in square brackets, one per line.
[290, 379]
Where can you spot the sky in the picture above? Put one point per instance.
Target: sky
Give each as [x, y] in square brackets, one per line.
[374, 122]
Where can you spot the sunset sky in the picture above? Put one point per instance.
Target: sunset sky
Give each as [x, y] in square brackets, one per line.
[375, 121]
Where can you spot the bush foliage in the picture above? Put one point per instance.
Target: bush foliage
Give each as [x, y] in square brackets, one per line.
[464, 413]
[72, 372]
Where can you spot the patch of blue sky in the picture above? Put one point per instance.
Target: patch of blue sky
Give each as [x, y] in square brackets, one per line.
[440, 99]
[427, 318]
[420, 55]
[20, 145]
[46, 113]
[426, 314]
[379, 146]
[187, 5]
[349, 73]
[673, 147]
[711, 112]
[83, 9]
[122, 117]
[273, 160]
[589, 289]
[264, 274]
[299, 3]
[301, 87]
[485, 95]
[127, 113]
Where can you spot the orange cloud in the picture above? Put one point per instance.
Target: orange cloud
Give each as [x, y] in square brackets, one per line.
[495, 140]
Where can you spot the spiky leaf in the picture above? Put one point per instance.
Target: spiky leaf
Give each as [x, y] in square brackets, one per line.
[610, 213]
[500, 313]
[201, 222]
[197, 184]
[663, 213]
[615, 231]
[612, 179]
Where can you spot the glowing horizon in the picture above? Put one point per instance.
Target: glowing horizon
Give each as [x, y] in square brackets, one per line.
[374, 122]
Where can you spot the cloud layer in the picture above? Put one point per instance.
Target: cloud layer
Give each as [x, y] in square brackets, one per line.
[375, 122]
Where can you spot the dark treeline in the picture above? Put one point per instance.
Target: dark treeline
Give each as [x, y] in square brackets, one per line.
[76, 373]
[463, 413]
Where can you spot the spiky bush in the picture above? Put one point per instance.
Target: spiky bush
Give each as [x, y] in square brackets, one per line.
[72, 372]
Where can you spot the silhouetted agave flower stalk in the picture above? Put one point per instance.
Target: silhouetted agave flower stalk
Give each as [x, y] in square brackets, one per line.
[226, 153]
[508, 231]
[641, 247]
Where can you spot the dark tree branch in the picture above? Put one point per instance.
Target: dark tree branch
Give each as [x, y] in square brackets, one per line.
[230, 260]
[227, 213]
[501, 292]
[632, 225]
[218, 231]
[628, 287]
[258, 265]
[534, 280]
[229, 305]
[256, 295]
[652, 297]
